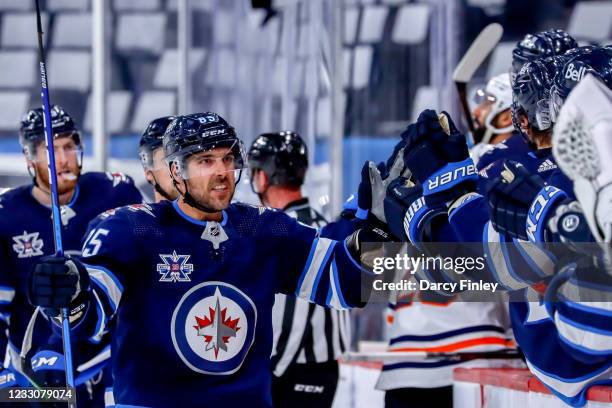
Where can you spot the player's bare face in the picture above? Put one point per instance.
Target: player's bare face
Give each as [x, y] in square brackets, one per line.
[212, 177]
[481, 111]
[67, 157]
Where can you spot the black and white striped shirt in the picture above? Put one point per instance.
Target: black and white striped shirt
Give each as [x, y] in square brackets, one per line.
[305, 332]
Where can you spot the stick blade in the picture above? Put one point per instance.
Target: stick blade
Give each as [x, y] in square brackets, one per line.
[480, 49]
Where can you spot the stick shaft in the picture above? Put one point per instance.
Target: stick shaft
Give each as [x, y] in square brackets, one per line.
[55, 207]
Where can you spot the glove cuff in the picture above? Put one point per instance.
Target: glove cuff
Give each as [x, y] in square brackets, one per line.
[417, 216]
[450, 176]
[547, 199]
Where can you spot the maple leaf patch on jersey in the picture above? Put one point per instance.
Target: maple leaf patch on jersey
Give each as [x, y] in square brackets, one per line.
[28, 245]
[213, 328]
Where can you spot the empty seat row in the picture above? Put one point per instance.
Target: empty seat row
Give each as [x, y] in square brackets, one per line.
[71, 70]
[367, 24]
[118, 5]
[150, 105]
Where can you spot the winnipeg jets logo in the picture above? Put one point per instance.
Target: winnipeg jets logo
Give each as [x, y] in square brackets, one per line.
[28, 245]
[213, 328]
[116, 178]
[175, 268]
[217, 328]
[146, 208]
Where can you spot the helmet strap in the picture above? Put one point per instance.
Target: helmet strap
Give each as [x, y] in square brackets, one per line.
[157, 187]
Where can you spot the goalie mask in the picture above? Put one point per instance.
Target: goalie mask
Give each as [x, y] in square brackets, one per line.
[582, 148]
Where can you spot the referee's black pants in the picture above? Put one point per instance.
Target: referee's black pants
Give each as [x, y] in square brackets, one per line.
[306, 385]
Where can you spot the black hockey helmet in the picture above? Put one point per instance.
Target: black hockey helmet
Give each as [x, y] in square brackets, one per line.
[32, 128]
[283, 156]
[199, 132]
[539, 45]
[531, 91]
[152, 139]
[596, 61]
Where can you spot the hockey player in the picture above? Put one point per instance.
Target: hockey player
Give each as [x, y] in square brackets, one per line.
[532, 47]
[190, 284]
[151, 155]
[308, 339]
[26, 231]
[492, 115]
[532, 322]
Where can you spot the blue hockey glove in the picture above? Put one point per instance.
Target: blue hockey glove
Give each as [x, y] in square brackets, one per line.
[520, 203]
[55, 282]
[437, 155]
[406, 211]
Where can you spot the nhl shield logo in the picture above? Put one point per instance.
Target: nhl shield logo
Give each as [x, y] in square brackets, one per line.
[213, 328]
[28, 245]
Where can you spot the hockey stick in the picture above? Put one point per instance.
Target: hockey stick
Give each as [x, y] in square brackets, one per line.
[55, 208]
[399, 356]
[480, 49]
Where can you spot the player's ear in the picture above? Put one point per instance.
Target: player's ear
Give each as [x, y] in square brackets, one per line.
[262, 180]
[174, 171]
[149, 176]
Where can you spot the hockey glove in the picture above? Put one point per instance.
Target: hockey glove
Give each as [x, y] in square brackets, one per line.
[520, 203]
[374, 182]
[7, 378]
[55, 282]
[366, 243]
[438, 156]
[406, 212]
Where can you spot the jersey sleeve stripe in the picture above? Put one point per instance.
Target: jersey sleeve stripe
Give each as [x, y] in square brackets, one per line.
[100, 323]
[571, 390]
[108, 283]
[319, 253]
[496, 261]
[584, 336]
[335, 299]
[6, 295]
[539, 260]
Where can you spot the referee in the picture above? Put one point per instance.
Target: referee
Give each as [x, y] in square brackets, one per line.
[308, 339]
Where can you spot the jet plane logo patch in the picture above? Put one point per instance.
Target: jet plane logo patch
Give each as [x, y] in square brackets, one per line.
[213, 328]
[28, 245]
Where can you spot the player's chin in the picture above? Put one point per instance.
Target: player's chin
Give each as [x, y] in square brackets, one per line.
[65, 186]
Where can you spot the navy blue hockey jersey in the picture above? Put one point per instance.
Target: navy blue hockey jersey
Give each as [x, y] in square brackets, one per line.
[514, 146]
[189, 302]
[26, 235]
[567, 344]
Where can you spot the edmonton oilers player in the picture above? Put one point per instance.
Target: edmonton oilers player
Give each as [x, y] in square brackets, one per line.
[308, 338]
[151, 155]
[25, 225]
[189, 285]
